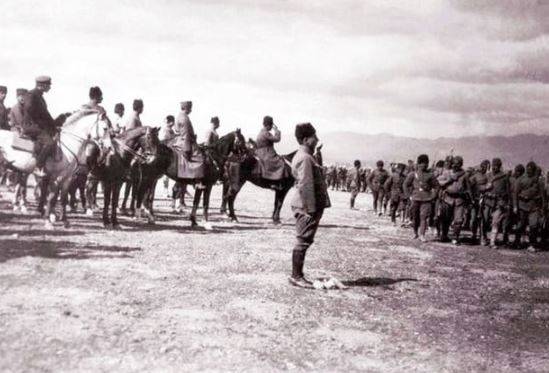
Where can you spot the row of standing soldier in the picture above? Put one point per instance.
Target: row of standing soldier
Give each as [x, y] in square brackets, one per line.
[447, 197]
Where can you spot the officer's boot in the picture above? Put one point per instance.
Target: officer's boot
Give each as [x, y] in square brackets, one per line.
[298, 260]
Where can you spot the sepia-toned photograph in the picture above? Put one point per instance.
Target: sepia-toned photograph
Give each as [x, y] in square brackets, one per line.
[274, 186]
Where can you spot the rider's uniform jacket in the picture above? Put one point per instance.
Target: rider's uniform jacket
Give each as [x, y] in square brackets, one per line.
[36, 112]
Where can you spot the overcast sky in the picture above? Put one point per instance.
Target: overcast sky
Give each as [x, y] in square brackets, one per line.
[415, 68]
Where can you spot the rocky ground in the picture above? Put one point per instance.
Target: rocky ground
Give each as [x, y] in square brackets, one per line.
[169, 298]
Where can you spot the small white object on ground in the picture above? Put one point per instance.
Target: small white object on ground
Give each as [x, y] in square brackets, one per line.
[327, 284]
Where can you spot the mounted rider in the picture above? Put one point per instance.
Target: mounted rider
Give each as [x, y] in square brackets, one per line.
[211, 135]
[38, 123]
[184, 128]
[273, 166]
[96, 97]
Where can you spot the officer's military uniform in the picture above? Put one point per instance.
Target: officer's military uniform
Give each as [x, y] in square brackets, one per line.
[4, 112]
[394, 188]
[478, 182]
[529, 201]
[454, 200]
[421, 187]
[376, 180]
[354, 184]
[496, 205]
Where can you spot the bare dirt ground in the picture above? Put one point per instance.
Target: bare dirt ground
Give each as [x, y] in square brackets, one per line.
[168, 298]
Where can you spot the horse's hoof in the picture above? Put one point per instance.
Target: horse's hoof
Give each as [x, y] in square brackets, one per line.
[193, 222]
[276, 222]
[24, 209]
[48, 225]
[89, 212]
[208, 226]
[107, 225]
[233, 219]
[15, 207]
[52, 218]
[116, 227]
[151, 221]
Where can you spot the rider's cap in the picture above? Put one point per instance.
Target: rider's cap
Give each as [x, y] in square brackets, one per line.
[186, 104]
[43, 79]
[21, 91]
[3, 89]
[95, 93]
[303, 130]
[268, 121]
[214, 120]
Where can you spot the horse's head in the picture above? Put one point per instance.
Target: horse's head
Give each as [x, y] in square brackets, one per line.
[239, 143]
[151, 143]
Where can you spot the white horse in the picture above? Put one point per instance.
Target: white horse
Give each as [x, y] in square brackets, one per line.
[59, 169]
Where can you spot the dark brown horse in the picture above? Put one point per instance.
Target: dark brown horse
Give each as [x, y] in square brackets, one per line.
[162, 159]
[246, 169]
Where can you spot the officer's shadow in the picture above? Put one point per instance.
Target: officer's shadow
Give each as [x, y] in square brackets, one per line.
[375, 281]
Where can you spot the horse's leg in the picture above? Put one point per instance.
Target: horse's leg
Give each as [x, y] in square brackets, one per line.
[65, 186]
[280, 195]
[51, 199]
[136, 180]
[89, 195]
[107, 186]
[81, 188]
[224, 197]
[206, 200]
[115, 195]
[42, 187]
[127, 186]
[196, 202]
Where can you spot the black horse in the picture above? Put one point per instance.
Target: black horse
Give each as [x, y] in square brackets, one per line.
[162, 159]
[111, 167]
[246, 169]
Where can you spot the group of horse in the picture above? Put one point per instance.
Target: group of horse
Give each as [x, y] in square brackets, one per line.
[139, 158]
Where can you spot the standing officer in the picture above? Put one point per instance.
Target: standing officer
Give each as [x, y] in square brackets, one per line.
[421, 186]
[478, 182]
[394, 189]
[376, 179]
[310, 199]
[354, 182]
[497, 203]
[528, 204]
[17, 111]
[454, 202]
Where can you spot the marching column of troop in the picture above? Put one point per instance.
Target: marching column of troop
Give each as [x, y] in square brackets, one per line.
[491, 203]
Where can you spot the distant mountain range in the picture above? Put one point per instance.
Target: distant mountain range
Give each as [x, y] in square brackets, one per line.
[344, 147]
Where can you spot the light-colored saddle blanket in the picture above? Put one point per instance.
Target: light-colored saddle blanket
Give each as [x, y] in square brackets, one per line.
[22, 144]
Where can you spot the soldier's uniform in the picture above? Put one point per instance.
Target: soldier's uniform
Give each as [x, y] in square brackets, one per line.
[309, 201]
[376, 180]
[421, 187]
[17, 113]
[496, 204]
[354, 183]
[4, 113]
[478, 182]
[394, 188]
[529, 202]
[273, 164]
[38, 123]
[133, 121]
[456, 195]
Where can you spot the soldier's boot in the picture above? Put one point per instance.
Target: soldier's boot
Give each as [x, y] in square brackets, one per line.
[297, 278]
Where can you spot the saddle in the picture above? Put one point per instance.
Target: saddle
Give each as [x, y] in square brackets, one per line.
[193, 168]
[274, 168]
